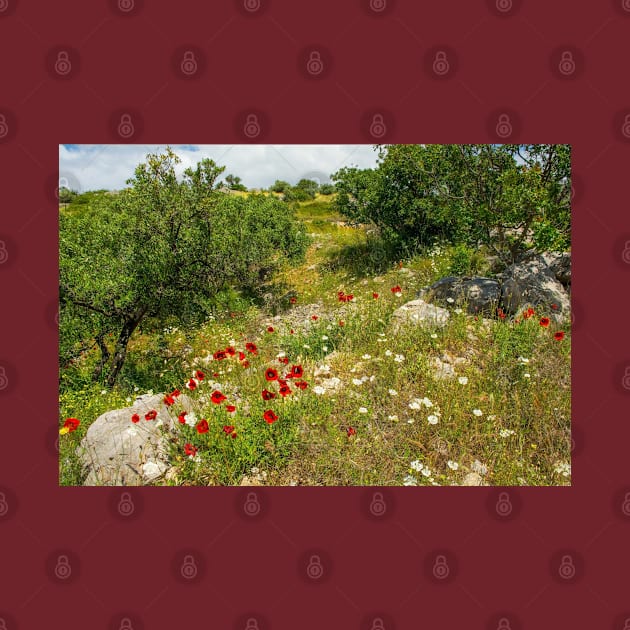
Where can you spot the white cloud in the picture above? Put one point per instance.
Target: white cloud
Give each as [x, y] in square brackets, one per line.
[92, 167]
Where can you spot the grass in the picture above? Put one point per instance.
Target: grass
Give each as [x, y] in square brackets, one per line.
[506, 411]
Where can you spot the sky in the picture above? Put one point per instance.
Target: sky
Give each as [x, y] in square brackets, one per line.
[85, 167]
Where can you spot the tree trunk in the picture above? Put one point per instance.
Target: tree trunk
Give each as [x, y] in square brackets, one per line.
[105, 356]
[120, 352]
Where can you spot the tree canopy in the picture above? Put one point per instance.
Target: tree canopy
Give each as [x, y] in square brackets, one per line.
[162, 248]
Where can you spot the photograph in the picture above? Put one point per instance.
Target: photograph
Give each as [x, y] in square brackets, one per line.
[315, 315]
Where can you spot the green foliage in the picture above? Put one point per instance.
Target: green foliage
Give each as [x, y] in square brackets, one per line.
[66, 195]
[326, 189]
[280, 186]
[508, 197]
[234, 183]
[162, 249]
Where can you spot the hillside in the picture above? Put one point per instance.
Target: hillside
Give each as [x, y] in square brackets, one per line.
[481, 400]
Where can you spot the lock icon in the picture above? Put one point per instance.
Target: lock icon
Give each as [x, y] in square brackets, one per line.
[504, 126]
[567, 63]
[626, 625]
[625, 506]
[125, 505]
[125, 127]
[625, 5]
[315, 65]
[440, 568]
[189, 64]
[126, 5]
[252, 505]
[63, 65]
[378, 128]
[504, 624]
[504, 505]
[252, 128]
[378, 624]
[315, 570]
[625, 129]
[626, 379]
[251, 624]
[125, 624]
[4, 506]
[252, 5]
[4, 5]
[4, 256]
[440, 63]
[378, 5]
[189, 568]
[378, 506]
[626, 253]
[4, 379]
[62, 569]
[566, 570]
[504, 5]
[4, 128]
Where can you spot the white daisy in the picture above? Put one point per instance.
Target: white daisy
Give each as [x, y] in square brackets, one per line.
[432, 419]
[366, 356]
[477, 412]
[462, 380]
[392, 392]
[357, 381]
[319, 390]
[452, 465]
[362, 410]
[399, 358]
[416, 464]
[409, 481]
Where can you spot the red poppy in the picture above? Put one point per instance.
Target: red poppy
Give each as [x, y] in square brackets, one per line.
[192, 384]
[202, 427]
[230, 408]
[396, 289]
[341, 296]
[72, 424]
[269, 416]
[245, 364]
[267, 395]
[169, 400]
[284, 360]
[271, 374]
[544, 322]
[297, 371]
[230, 350]
[500, 313]
[151, 415]
[182, 417]
[341, 324]
[349, 297]
[554, 307]
[217, 397]
[559, 336]
[293, 300]
[215, 374]
[241, 356]
[314, 318]
[227, 429]
[375, 296]
[251, 347]
[301, 384]
[219, 355]
[269, 328]
[200, 375]
[351, 431]
[135, 418]
[234, 435]
[528, 313]
[190, 450]
[292, 332]
[284, 390]
[175, 393]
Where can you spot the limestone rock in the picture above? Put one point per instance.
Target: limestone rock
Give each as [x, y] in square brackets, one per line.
[420, 313]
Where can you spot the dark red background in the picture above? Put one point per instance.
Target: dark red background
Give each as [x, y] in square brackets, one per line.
[502, 570]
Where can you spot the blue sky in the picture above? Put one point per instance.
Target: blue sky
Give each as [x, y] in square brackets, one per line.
[91, 167]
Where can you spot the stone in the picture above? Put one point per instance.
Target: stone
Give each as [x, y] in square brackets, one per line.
[117, 452]
[442, 369]
[560, 266]
[420, 313]
[473, 479]
[533, 283]
[477, 294]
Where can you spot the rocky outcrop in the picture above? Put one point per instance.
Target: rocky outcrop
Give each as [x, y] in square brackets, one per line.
[533, 282]
[117, 452]
[420, 313]
[477, 294]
